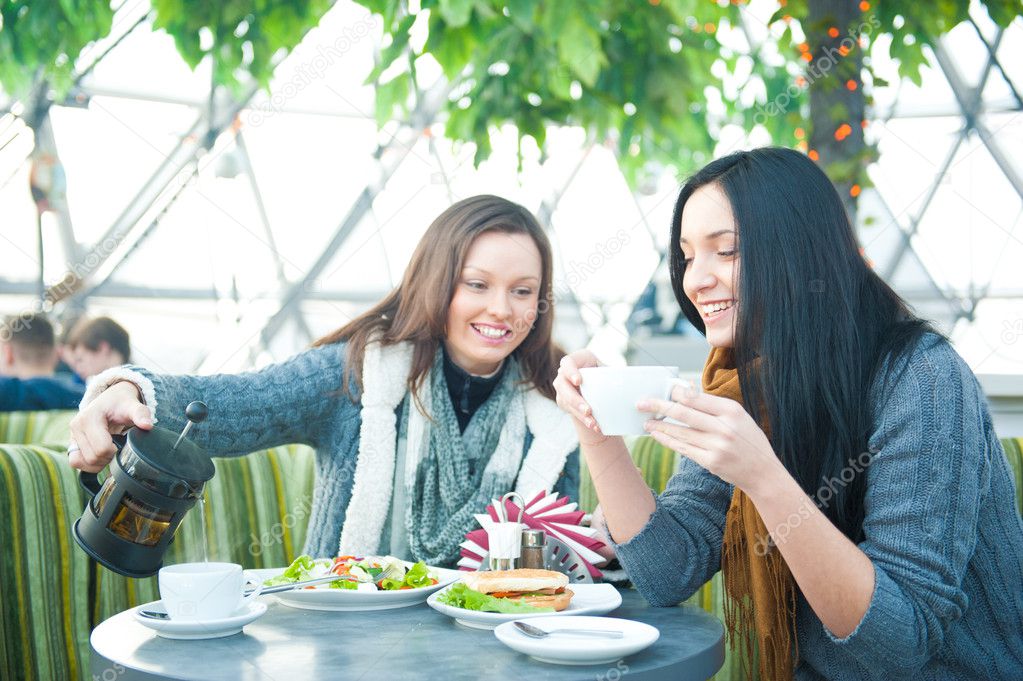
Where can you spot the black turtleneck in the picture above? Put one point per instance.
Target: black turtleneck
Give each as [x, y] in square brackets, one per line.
[467, 392]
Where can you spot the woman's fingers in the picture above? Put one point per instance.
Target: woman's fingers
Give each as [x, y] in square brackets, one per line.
[136, 414]
[693, 418]
[91, 447]
[571, 400]
[569, 397]
[705, 402]
[580, 359]
[685, 434]
[90, 435]
[699, 455]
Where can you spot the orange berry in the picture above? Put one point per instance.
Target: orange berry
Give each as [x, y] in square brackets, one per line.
[854, 191]
[814, 156]
[833, 32]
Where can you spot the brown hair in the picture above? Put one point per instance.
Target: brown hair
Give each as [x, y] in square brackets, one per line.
[30, 336]
[92, 332]
[416, 311]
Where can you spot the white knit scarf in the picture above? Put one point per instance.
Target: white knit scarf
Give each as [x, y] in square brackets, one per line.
[385, 372]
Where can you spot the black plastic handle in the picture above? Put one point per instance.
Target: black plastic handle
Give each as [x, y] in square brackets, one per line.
[90, 481]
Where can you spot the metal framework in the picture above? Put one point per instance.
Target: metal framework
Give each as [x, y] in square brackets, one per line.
[142, 215]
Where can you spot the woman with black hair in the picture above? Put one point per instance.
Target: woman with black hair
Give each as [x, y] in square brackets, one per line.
[840, 466]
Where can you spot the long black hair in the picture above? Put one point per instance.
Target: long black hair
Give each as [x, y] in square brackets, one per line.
[816, 318]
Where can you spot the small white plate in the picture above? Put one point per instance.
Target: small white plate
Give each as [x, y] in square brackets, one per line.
[198, 630]
[588, 599]
[579, 650]
[326, 598]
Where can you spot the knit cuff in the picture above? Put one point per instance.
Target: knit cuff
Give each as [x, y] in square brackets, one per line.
[101, 381]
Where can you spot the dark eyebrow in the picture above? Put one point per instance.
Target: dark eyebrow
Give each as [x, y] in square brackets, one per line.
[712, 235]
[480, 269]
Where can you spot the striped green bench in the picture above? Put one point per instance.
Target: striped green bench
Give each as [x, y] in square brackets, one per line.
[36, 427]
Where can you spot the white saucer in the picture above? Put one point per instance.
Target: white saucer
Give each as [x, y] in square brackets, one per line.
[198, 630]
[579, 650]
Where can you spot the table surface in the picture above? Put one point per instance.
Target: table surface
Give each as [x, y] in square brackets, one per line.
[408, 643]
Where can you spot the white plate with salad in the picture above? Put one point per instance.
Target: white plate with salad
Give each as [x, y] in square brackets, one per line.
[364, 583]
[465, 605]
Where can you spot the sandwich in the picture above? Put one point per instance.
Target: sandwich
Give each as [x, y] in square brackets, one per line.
[544, 589]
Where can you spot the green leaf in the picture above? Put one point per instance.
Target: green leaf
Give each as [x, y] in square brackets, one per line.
[399, 43]
[579, 48]
[392, 96]
[456, 12]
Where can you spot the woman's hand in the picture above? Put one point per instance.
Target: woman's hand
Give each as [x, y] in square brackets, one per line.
[719, 436]
[566, 387]
[115, 410]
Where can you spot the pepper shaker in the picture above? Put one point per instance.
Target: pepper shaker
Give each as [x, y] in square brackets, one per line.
[533, 544]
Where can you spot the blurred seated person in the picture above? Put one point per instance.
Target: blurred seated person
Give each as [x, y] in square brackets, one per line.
[64, 369]
[28, 356]
[95, 345]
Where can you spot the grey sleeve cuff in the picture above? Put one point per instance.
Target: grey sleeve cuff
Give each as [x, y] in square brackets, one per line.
[101, 381]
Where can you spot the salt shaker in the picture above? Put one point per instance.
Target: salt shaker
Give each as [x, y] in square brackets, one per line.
[533, 544]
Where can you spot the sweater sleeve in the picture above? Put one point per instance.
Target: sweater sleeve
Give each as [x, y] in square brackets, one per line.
[293, 401]
[679, 548]
[928, 470]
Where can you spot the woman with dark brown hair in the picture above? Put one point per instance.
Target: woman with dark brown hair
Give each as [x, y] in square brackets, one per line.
[421, 410]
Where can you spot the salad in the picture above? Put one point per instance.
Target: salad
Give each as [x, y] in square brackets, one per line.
[372, 573]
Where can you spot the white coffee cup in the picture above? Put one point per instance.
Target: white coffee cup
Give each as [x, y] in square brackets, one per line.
[614, 392]
[203, 592]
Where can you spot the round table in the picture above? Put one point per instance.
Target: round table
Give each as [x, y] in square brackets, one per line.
[408, 643]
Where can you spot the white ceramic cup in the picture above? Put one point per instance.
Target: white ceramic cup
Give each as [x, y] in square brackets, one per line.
[203, 592]
[613, 392]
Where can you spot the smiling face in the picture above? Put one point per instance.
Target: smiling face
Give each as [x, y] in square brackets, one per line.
[709, 245]
[495, 301]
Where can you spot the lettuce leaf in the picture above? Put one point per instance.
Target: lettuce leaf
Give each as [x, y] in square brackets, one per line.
[304, 567]
[461, 596]
[418, 575]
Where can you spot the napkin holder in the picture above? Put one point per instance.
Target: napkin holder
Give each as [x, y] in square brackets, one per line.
[571, 547]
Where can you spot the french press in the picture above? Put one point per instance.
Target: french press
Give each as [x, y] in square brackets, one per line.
[154, 479]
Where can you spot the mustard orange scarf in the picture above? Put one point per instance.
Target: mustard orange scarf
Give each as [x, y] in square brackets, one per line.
[760, 594]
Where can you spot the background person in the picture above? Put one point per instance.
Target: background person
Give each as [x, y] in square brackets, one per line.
[28, 357]
[421, 410]
[95, 345]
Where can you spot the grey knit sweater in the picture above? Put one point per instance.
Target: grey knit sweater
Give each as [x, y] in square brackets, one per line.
[941, 528]
[297, 401]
